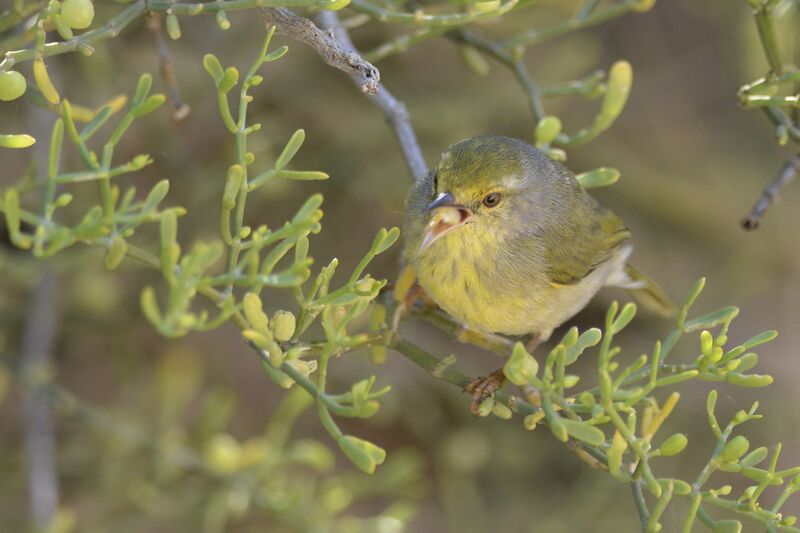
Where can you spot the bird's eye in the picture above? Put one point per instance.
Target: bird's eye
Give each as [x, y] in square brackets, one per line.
[491, 199]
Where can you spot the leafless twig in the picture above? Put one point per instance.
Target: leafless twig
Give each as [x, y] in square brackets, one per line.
[37, 345]
[394, 110]
[167, 66]
[770, 194]
[333, 53]
[333, 44]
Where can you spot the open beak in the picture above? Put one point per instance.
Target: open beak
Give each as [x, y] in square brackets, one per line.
[445, 216]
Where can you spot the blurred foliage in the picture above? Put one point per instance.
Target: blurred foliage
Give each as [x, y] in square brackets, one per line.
[147, 470]
[181, 468]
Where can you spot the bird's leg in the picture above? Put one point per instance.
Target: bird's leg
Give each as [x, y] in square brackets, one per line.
[532, 342]
[408, 294]
[416, 296]
[483, 387]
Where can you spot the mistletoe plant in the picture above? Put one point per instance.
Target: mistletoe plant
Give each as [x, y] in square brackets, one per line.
[236, 278]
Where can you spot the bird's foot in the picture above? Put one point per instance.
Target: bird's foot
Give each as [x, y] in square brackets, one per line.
[408, 296]
[417, 297]
[483, 387]
[414, 299]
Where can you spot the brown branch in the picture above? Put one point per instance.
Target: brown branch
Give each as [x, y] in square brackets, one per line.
[301, 29]
[770, 194]
[393, 109]
[167, 67]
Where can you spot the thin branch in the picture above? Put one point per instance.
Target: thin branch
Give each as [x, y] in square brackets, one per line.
[641, 504]
[532, 37]
[393, 109]
[332, 52]
[403, 43]
[769, 40]
[783, 121]
[421, 18]
[122, 19]
[770, 194]
[41, 323]
[516, 65]
[167, 67]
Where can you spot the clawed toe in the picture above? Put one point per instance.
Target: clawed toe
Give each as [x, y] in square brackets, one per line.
[484, 387]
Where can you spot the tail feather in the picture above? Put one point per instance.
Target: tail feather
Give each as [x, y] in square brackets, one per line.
[648, 293]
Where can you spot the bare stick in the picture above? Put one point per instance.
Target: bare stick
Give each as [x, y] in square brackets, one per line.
[770, 194]
[37, 344]
[333, 44]
[167, 67]
[393, 109]
[333, 53]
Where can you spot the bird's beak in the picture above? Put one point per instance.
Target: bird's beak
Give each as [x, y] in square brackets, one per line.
[445, 215]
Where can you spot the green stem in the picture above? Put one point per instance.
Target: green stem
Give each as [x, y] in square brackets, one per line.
[760, 100]
[493, 343]
[780, 118]
[403, 43]
[117, 23]
[694, 508]
[743, 510]
[711, 464]
[11, 17]
[766, 32]
[111, 29]
[420, 18]
[641, 504]
[533, 37]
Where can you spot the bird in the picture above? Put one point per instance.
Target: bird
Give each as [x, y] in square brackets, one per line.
[506, 241]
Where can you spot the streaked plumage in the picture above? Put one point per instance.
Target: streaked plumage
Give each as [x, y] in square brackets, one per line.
[525, 265]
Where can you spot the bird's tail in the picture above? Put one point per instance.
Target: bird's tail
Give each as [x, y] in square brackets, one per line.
[648, 293]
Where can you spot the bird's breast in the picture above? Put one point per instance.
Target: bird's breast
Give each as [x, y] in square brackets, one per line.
[474, 279]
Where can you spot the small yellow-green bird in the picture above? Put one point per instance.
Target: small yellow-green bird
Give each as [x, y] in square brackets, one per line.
[507, 241]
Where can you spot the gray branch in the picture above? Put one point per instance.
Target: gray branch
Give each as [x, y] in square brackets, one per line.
[301, 29]
[770, 194]
[393, 109]
[333, 44]
[37, 344]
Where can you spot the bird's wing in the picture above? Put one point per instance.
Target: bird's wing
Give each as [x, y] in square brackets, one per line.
[588, 241]
[415, 220]
[649, 293]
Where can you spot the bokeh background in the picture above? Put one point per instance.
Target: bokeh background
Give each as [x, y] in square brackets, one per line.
[692, 164]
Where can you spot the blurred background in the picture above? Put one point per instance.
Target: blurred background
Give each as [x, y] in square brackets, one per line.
[692, 163]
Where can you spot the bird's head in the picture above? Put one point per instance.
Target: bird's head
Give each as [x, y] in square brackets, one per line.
[497, 184]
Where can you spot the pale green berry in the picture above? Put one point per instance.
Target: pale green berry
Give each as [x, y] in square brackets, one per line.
[12, 85]
[78, 14]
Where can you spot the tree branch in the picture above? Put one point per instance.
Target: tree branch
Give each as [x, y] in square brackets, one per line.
[123, 18]
[334, 54]
[333, 44]
[393, 109]
[37, 344]
[770, 194]
[180, 109]
[641, 504]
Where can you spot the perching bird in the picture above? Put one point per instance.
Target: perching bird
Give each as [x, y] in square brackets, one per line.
[507, 241]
